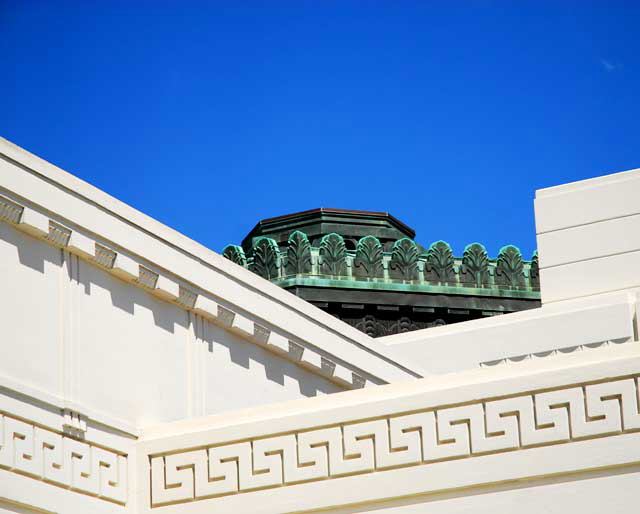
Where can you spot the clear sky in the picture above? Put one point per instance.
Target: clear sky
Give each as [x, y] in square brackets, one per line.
[209, 116]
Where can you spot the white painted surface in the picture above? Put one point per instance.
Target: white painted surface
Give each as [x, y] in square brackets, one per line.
[121, 338]
[533, 334]
[152, 367]
[594, 276]
[591, 493]
[181, 261]
[587, 201]
[588, 239]
[30, 277]
[9, 507]
[548, 417]
[585, 242]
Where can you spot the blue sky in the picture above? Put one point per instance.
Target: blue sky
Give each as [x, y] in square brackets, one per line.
[209, 116]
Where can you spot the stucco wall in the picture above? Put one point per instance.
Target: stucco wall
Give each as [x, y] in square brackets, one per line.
[73, 330]
[121, 338]
[507, 429]
[614, 492]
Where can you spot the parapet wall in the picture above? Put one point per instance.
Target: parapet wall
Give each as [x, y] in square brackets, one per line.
[121, 337]
[560, 417]
[435, 270]
[589, 236]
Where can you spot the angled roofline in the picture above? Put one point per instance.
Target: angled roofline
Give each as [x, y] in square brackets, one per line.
[49, 193]
[328, 210]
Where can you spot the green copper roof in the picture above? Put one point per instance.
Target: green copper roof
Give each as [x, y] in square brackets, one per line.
[406, 266]
[366, 269]
[316, 223]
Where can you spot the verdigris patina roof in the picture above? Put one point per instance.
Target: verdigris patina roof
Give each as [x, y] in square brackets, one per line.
[374, 250]
[315, 223]
[366, 269]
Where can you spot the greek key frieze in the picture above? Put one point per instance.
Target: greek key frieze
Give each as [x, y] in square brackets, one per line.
[46, 455]
[398, 440]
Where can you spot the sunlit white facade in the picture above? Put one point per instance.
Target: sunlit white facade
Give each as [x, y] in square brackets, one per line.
[142, 372]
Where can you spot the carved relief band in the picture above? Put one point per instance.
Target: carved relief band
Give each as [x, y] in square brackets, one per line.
[67, 462]
[537, 418]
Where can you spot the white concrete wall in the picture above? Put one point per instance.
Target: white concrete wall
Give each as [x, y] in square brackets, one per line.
[9, 507]
[586, 324]
[589, 493]
[480, 441]
[30, 274]
[589, 255]
[97, 341]
[76, 337]
[121, 337]
[112, 322]
[53, 463]
[43, 200]
[588, 236]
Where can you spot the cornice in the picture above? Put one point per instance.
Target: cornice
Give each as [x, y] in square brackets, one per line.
[336, 283]
[397, 440]
[170, 289]
[141, 251]
[418, 437]
[323, 215]
[404, 268]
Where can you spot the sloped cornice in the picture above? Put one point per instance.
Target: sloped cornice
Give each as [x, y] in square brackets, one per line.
[50, 204]
[172, 290]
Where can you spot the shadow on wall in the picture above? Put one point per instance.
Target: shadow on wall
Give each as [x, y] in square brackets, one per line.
[40, 404]
[231, 349]
[126, 296]
[32, 253]
[16, 508]
[229, 357]
[228, 350]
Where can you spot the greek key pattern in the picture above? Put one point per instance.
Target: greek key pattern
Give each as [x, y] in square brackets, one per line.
[488, 426]
[63, 461]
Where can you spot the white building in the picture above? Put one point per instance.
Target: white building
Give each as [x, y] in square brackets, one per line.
[142, 372]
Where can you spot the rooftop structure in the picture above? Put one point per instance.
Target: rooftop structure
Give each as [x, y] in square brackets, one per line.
[365, 268]
[316, 223]
[143, 373]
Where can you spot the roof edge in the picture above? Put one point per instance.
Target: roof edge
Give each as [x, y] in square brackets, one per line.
[90, 211]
